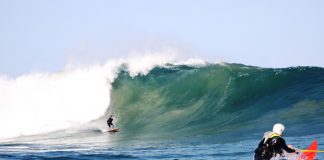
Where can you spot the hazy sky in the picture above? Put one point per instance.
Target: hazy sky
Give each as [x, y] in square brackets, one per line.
[40, 35]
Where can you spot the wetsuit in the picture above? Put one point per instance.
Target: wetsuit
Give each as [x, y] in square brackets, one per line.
[273, 146]
[109, 122]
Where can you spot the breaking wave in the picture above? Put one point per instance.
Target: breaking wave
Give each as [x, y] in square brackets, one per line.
[228, 100]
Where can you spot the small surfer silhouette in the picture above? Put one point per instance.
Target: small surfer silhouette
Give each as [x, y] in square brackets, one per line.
[109, 121]
[110, 124]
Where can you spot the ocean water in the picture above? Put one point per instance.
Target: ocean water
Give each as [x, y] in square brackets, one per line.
[170, 111]
[103, 146]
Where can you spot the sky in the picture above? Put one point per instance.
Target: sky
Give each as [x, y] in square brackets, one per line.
[45, 36]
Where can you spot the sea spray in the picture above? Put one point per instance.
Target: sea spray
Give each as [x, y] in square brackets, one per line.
[39, 102]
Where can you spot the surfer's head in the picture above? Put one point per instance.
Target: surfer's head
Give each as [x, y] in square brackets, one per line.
[278, 128]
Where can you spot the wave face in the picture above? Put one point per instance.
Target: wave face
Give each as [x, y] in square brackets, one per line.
[227, 101]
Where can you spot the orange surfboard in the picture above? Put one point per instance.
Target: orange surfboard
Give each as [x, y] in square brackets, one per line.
[310, 153]
[113, 130]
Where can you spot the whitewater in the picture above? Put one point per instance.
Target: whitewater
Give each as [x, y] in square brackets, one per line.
[165, 109]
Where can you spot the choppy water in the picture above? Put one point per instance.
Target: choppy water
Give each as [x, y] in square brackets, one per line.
[187, 149]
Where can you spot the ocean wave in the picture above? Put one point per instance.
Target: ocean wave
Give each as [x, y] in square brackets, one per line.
[158, 96]
[218, 99]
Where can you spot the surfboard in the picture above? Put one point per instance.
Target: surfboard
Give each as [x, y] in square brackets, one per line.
[113, 130]
[310, 153]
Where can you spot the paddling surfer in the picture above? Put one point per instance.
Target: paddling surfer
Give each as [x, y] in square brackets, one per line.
[272, 144]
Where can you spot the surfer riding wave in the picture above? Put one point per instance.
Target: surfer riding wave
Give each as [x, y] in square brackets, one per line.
[109, 122]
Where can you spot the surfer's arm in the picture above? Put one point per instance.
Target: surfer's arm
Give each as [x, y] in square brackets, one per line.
[284, 146]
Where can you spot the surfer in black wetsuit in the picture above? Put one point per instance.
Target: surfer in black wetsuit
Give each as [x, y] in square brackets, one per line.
[272, 144]
[109, 121]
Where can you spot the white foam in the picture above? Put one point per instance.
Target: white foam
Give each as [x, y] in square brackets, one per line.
[192, 61]
[39, 102]
[142, 63]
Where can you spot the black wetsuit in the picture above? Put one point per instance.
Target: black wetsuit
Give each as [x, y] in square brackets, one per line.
[271, 148]
[109, 122]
